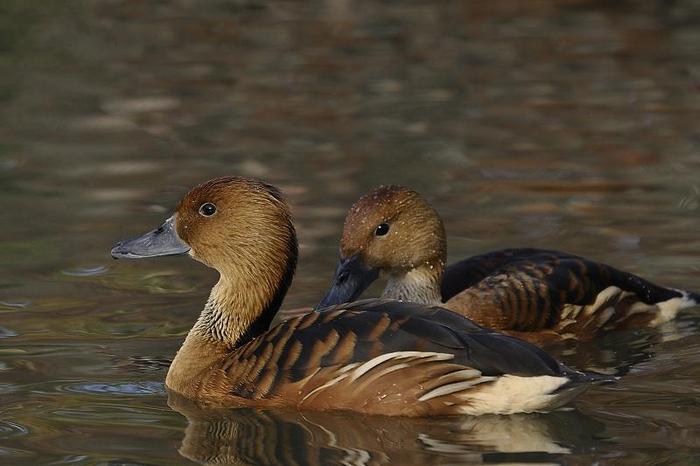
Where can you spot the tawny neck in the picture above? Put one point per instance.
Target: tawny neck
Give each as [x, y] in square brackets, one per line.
[224, 323]
[418, 285]
[193, 362]
[245, 300]
[240, 307]
[229, 312]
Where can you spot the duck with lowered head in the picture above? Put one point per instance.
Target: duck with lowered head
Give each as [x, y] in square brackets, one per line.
[539, 295]
[373, 356]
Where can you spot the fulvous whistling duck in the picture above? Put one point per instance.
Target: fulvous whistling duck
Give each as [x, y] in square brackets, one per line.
[375, 356]
[538, 295]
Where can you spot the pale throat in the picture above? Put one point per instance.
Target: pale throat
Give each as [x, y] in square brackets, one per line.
[234, 304]
[418, 285]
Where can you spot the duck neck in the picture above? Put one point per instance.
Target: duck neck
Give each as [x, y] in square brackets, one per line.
[418, 285]
[243, 303]
[240, 307]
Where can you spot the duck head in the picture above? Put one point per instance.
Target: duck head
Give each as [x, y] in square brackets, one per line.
[217, 223]
[242, 228]
[390, 231]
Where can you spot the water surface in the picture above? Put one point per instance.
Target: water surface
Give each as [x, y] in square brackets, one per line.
[565, 124]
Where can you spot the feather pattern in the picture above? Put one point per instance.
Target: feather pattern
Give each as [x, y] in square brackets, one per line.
[389, 357]
[529, 290]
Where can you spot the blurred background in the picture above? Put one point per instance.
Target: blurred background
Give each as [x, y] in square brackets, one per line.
[565, 124]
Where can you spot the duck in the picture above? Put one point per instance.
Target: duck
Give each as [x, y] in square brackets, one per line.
[376, 356]
[539, 295]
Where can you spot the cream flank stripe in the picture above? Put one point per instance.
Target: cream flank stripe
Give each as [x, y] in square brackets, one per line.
[669, 309]
[510, 394]
[503, 394]
[666, 310]
[359, 369]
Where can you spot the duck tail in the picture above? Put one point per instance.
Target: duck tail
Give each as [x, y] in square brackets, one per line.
[579, 378]
[693, 297]
[665, 302]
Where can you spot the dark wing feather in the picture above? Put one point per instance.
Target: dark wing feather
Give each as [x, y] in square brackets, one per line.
[531, 286]
[357, 332]
[468, 272]
[580, 278]
[433, 328]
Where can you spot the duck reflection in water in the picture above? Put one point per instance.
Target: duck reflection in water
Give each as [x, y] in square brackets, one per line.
[246, 436]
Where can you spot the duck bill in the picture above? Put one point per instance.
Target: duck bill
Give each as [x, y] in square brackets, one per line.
[162, 241]
[351, 278]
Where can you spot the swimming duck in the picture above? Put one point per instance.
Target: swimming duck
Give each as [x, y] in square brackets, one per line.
[374, 356]
[539, 295]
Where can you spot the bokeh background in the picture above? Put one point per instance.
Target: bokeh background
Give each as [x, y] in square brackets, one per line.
[566, 124]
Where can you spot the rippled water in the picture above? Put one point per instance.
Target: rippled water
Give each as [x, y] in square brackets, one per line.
[565, 124]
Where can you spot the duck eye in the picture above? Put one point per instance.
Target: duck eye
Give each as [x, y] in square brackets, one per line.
[382, 229]
[207, 209]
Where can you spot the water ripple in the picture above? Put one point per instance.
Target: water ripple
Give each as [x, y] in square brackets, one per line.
[12, 429]
[7, 333]
[85, 271]
[123, 388]
[6, 388]
[18, 305]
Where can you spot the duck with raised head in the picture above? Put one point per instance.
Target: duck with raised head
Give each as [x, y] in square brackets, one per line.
[539, 295]
[374, 356]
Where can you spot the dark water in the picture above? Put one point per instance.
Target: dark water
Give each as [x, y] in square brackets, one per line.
[561, 124]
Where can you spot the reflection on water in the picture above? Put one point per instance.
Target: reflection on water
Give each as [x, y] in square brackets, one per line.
[257, 437]
[564, 124]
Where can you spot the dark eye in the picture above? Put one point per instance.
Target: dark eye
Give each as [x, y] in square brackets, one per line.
[382, 229]
[207, 209]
